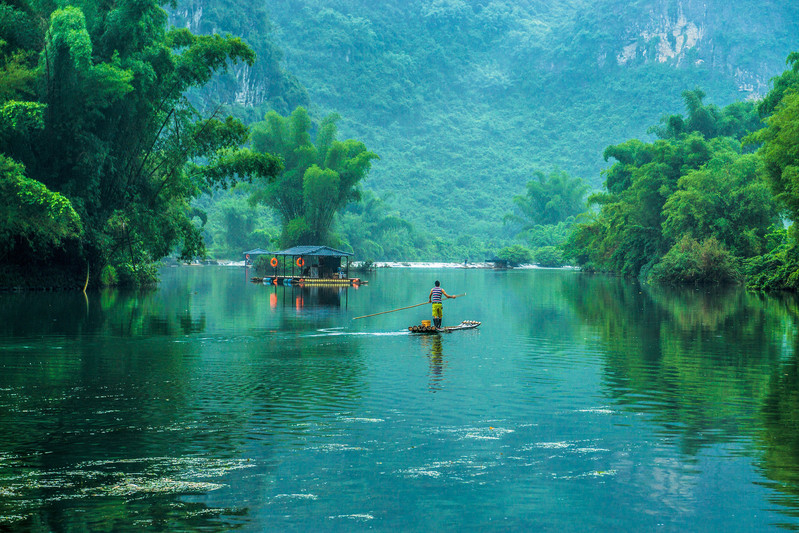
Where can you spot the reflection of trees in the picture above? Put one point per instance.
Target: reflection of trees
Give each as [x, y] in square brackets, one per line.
[126, 381]
[698, 362]
[708, 366]
[779, 436]
[540, 300]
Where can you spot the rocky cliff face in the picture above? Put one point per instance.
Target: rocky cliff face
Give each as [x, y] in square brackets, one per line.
[263, 84]
[688, 33]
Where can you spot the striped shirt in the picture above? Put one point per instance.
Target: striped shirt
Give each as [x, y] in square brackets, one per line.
[435, 297]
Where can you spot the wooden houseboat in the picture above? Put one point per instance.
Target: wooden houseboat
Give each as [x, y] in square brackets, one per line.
[305, 266]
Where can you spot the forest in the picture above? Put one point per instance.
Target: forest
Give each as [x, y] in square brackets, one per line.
[570, 133]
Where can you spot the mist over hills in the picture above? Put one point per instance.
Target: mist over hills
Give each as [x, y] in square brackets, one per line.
[464, 100]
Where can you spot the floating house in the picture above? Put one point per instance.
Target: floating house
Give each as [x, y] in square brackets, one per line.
[305, 265]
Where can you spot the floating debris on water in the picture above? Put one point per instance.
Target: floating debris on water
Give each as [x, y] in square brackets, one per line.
[597, 410]
[358, 516]
[297, 496]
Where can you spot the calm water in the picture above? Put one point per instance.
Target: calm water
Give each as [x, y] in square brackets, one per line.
[581, 403]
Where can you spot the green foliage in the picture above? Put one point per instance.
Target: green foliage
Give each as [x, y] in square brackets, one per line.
[371, 230]
[725, 199]
[95, 110]
[684, 207]
[780, 152]
[516, 255]
[545, 215]
[33, 219]
[778, 268]
[693, 262]
[785, 82]
[108, 276]
[318, 180]
[464, 100]
[550, 199]
[549, 256]
[233, 225]
[626, 234]
[737, 120]
[549, 235]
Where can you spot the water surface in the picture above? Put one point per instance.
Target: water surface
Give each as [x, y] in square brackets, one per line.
[581, 403]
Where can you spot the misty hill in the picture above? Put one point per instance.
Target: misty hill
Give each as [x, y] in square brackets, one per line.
[464, 100]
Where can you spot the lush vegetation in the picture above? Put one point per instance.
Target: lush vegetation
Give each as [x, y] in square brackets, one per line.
[544, 217]
[100, 151]
[465, 100]
[489, 117]
[694, 206]
[317, 181]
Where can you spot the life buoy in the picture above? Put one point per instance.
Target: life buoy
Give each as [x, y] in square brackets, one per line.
[300, 262]
[247, 257]
[273, 261]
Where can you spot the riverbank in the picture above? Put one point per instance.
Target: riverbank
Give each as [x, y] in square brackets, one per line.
[18, 278]
[355, 265]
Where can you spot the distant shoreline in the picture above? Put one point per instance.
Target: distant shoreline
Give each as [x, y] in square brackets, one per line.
[387, 264]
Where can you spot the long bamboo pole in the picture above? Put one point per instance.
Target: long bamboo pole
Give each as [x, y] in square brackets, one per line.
[401, 308]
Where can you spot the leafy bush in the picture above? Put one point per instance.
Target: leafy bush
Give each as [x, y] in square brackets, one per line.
[141, 275]
[690, 261]
[549, 256]
[778, 269]
[516, 255]
[108, 276]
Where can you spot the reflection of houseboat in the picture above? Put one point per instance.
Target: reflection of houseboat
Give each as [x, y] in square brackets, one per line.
[305, 265]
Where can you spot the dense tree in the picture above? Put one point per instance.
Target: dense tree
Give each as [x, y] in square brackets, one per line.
[32, 216]
[626, 234]
[318, 180]
[778, 268]
[660, 194]
[116, 137]
[515, 255]
[373, 232]
[464, 100]
[736, 120]
[725, 199]
[545, 214]
[780, 150]
[550, 198]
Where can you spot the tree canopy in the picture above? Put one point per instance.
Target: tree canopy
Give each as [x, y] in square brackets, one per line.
[318, 179]
[659, 194]
[94, 110]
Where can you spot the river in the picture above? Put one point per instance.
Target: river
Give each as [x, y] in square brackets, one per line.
[582, 403]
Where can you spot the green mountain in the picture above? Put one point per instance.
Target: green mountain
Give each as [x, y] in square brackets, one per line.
[465, 99]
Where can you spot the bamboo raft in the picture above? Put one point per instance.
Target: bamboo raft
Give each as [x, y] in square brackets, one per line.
[466, 324]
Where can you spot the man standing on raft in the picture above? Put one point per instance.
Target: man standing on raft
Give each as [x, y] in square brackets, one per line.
[438, 308]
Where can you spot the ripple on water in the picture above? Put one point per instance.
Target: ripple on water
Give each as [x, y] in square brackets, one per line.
[300, 496]
[360, 517]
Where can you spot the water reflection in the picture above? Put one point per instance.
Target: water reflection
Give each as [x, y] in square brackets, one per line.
[300, 297]
[436, 362]
[709, 367]
[135, 410]
[582, 402]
